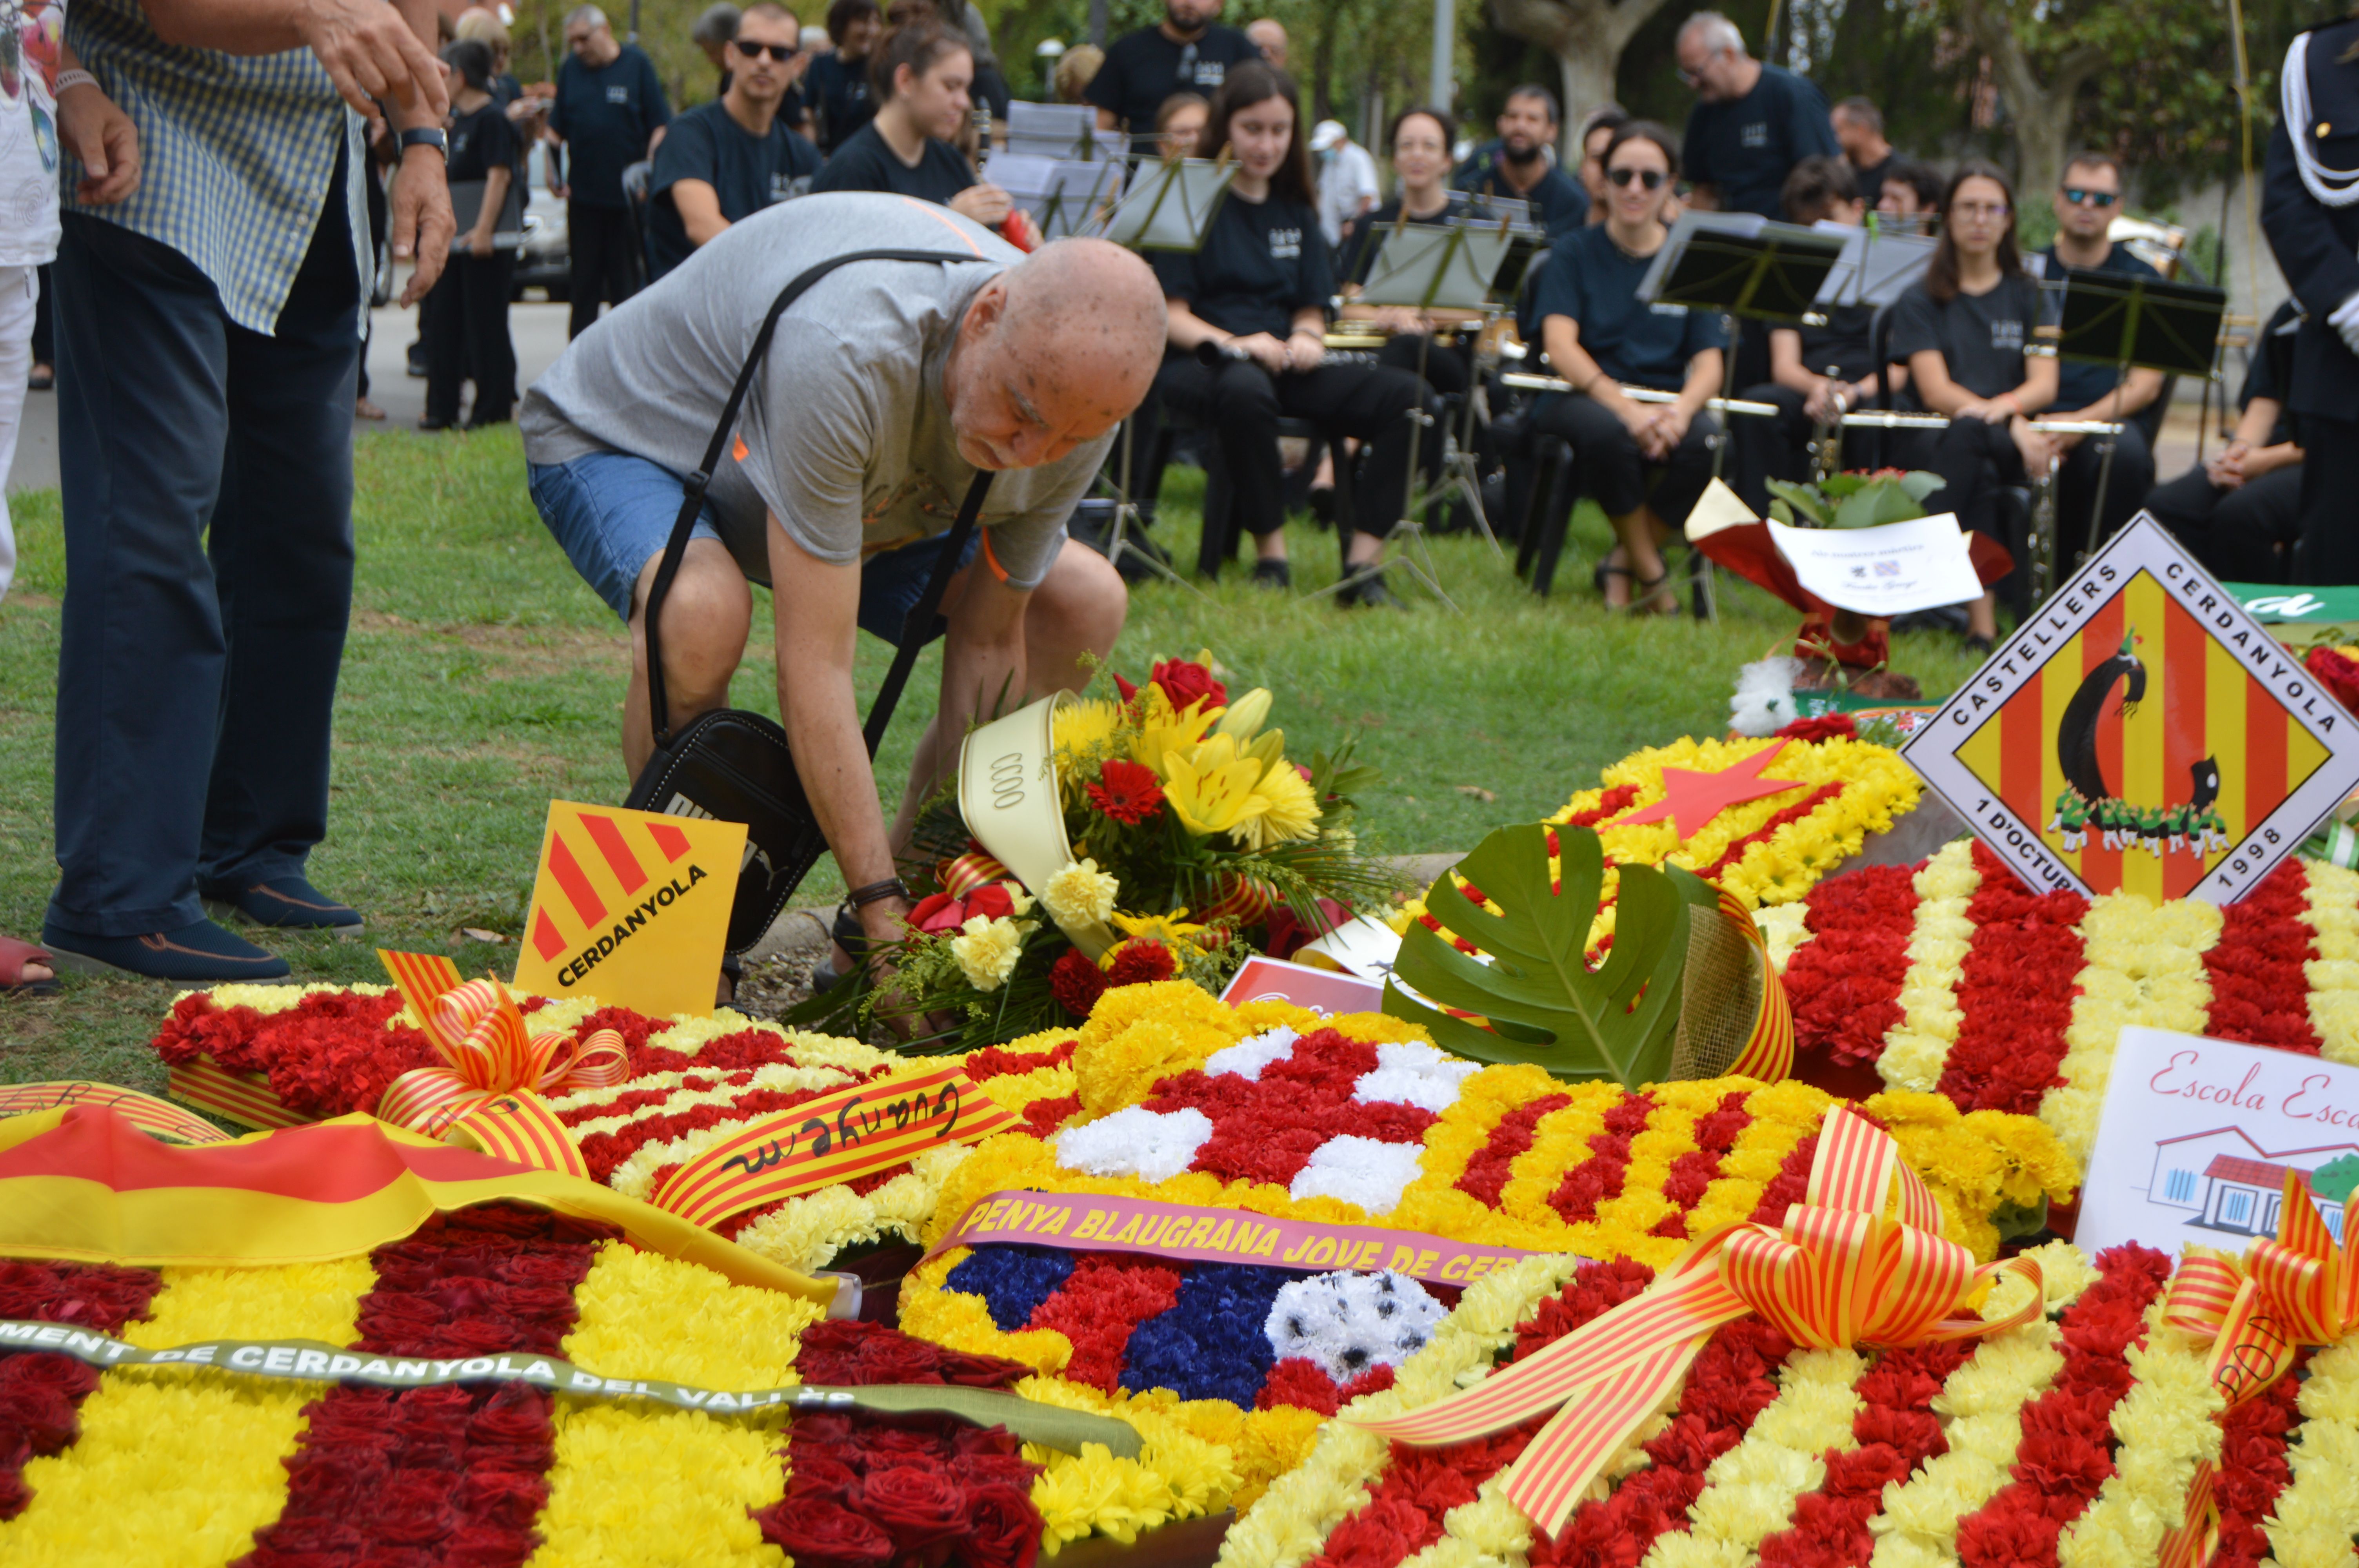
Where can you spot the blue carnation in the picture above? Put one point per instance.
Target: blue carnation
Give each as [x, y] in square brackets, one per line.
[1212, 1344]
[1012, 1281]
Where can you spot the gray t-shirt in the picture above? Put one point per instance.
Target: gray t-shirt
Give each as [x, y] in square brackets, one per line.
[844, 434]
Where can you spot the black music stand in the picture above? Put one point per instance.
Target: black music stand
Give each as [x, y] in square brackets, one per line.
[2132, 322]
[1738, 265]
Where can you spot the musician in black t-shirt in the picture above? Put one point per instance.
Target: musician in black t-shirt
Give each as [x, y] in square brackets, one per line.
[1644, 463]
[724, 161]
[839, 78]
[464, 320]
[1964, 331]
[1421, 140]
[2239, 510]
[1815, 372]
[1258, 291]
[921, 74]
[1188, 51]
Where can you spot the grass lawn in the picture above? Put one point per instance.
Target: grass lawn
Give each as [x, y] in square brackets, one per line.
[483, 679]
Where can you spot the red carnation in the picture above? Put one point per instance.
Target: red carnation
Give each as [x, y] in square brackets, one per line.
[1128, 792]
[1141, 962]
[1076, 982]
[1184, 680]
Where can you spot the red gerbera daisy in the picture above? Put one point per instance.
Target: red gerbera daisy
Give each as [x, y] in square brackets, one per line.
[1128, 792]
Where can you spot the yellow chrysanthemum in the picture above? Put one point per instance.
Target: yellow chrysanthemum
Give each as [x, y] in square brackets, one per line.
[1289, 810]
[1084, 727]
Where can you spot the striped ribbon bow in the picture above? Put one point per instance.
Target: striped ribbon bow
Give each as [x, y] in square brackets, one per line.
[494, 1068]
[1840, 1272]
[2301, 1289]
[1768, 1052]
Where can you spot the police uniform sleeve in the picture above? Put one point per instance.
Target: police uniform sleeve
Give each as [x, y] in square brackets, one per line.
[2321, 269]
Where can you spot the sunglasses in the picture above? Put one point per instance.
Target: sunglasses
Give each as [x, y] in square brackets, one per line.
[1651, 178]
[779, 52]
[2098, 198]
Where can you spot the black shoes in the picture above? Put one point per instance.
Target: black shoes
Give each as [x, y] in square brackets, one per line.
[1274, 573]
[1370, 593]
[287, 903]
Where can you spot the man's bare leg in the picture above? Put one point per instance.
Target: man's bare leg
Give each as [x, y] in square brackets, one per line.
[707, 615]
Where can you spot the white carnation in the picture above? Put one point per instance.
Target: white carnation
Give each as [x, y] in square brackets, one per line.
[1358, 1169]
[1153, 1145]
[1764, 702]
[1349, 1323]
[1248, 1056]
[1414, 1074]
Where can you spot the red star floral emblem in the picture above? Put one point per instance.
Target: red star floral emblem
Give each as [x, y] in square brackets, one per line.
[1695, 798]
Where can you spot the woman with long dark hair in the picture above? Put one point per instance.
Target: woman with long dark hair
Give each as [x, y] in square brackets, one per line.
[1421, 140]
[1962, 330]
[1257, 292]
[920, 76]
[1644, 463]
[465, 321]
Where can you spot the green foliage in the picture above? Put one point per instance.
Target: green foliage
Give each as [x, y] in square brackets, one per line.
[1545, 1004]
[2334, 1180]
[1852, 499]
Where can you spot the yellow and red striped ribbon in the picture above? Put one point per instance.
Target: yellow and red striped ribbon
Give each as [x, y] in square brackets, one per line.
[969, 872]
[2299, 1289]
[1838, 1272]
[156, 1118]
[489, 1054]
[521, 1129]
[1768, 1052]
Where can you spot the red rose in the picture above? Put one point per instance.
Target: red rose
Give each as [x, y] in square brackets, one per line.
[1128, 792]
[509, 1498]
[821, 1475]
[1002, 1528]
[1076, 982]
[991, 902]
[937, 912]
[818, 1534]
[1141, 961]
[1184, 681]
[917, 1505]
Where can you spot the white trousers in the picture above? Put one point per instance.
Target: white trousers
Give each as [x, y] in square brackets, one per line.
[19, 291]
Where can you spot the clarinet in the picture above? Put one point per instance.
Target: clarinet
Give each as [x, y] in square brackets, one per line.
[2043, 535]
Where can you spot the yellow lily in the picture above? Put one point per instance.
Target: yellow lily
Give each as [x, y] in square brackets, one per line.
[1246, 715]
[1212, 787]
[1163, 732]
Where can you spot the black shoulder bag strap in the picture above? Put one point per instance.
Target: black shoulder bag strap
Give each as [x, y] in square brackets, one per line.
[920, 620]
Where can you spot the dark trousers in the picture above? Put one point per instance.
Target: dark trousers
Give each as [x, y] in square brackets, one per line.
[208, 483]
[2076, 490]
[1611, 472]
[598, 243]
[44, 334]
[1445, 369]
[1243, 403]
[1975, 459]
[2245, 534]
[466, 324]
[1767, 448]
[2327, 555]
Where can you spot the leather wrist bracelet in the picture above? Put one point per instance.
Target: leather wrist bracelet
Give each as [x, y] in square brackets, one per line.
[861, 897]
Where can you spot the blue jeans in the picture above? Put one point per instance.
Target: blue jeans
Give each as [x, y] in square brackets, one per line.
[612, 513]
[207, 473]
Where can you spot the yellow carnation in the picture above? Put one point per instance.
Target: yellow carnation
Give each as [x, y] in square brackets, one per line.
[988, 951]
[1081, 894]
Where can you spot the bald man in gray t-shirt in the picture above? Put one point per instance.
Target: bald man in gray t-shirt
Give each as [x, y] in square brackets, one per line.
[886, 386]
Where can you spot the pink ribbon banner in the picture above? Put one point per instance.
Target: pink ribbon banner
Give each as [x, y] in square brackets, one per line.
[1087, 1222]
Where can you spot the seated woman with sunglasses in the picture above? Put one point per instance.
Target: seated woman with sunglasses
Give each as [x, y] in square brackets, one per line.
[1258, 291]
[1421, 140]
[1962, 330]
[921, 75]
[1599, 336]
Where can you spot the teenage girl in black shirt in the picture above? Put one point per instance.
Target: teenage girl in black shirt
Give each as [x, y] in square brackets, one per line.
[1259, 290]
[465, 321]
[1963, 331]
[1420, 141]
[920, 76]
[839, 79]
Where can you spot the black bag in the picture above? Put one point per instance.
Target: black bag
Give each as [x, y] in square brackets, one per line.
[735, 765]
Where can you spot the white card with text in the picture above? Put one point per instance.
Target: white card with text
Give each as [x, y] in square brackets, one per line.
[2197, 1135]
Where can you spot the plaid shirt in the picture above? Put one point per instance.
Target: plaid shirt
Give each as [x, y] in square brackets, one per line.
[237, 154]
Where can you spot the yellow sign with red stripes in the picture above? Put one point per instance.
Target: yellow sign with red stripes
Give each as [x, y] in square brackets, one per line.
[838, 1137]
[631, 907]
[2141, 733]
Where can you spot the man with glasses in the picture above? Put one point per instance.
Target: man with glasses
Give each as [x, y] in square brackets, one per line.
[724, 161]
[2085, 206]
[1517, 165]
[1751, 122]
[1188, 51]
[610, 110]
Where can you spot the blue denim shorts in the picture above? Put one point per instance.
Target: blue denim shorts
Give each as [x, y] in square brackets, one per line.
[613, 513]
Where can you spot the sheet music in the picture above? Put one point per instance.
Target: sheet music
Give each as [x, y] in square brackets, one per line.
[1063, 196]
[1169, 207]
[1422, 267]
[1874, 269]
[1066, 131]
[1744, 225]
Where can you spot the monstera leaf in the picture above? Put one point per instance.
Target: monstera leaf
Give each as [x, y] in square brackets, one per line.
[1545, 1004]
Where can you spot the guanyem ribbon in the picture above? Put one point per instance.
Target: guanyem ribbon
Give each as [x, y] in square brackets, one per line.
[1837, 1274]
[310, 1361]
[494, 1069]
[2301, 1289]
[1090, 1222]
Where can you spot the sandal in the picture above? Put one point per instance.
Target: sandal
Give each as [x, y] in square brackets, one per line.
[1644, 594]
[1605, 569]
[13, 956]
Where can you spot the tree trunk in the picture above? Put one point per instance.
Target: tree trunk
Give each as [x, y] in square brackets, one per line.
[1587, 37]
[2040, 111]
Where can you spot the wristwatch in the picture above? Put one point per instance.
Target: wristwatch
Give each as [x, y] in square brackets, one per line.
[426, 137]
